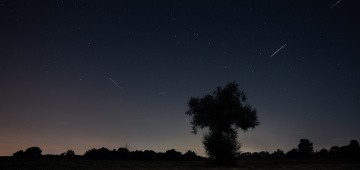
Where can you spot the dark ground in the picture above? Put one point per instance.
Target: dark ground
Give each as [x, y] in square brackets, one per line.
[68, 164]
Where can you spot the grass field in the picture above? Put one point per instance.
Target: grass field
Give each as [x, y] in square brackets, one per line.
[57, 164]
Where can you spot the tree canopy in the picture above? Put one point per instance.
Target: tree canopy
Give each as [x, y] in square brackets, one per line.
[222, 112]
[305, 148]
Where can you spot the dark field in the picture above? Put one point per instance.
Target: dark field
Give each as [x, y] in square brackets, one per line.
[54, 164]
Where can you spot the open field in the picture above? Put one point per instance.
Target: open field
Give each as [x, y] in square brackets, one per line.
[55, 164]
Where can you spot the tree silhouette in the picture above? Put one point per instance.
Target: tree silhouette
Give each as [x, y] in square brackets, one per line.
[69, 153]
[293, 153]
[222, 112]
[305, 148]
[353, 149]
[323, 153]
[190, 155]
[172, 154]
[102, 153]
[123, 153]
[29, 152]
[278, 154]
[19, 153]
[32, 152]
[349, 151]
[333, 152]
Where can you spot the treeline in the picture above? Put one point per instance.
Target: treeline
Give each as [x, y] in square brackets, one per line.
[305, 150]
[125, 154]
[119, 154]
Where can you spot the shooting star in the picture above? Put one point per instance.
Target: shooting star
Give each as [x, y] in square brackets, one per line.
[335, 3]
[278, 50]
[116, 84]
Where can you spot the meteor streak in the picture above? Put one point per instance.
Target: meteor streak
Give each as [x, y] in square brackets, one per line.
[116, 84]
[278, 50]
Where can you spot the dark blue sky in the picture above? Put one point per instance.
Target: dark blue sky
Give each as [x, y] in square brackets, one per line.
[78, 74]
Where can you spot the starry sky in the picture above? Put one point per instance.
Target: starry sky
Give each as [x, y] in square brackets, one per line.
[82, 74]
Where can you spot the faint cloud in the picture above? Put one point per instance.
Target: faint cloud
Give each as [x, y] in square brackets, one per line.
[2, 142]
[64, 123]
[162, 93]
[297, 132]
[341, 139]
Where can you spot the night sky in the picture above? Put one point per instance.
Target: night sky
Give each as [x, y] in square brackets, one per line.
[82, 74]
